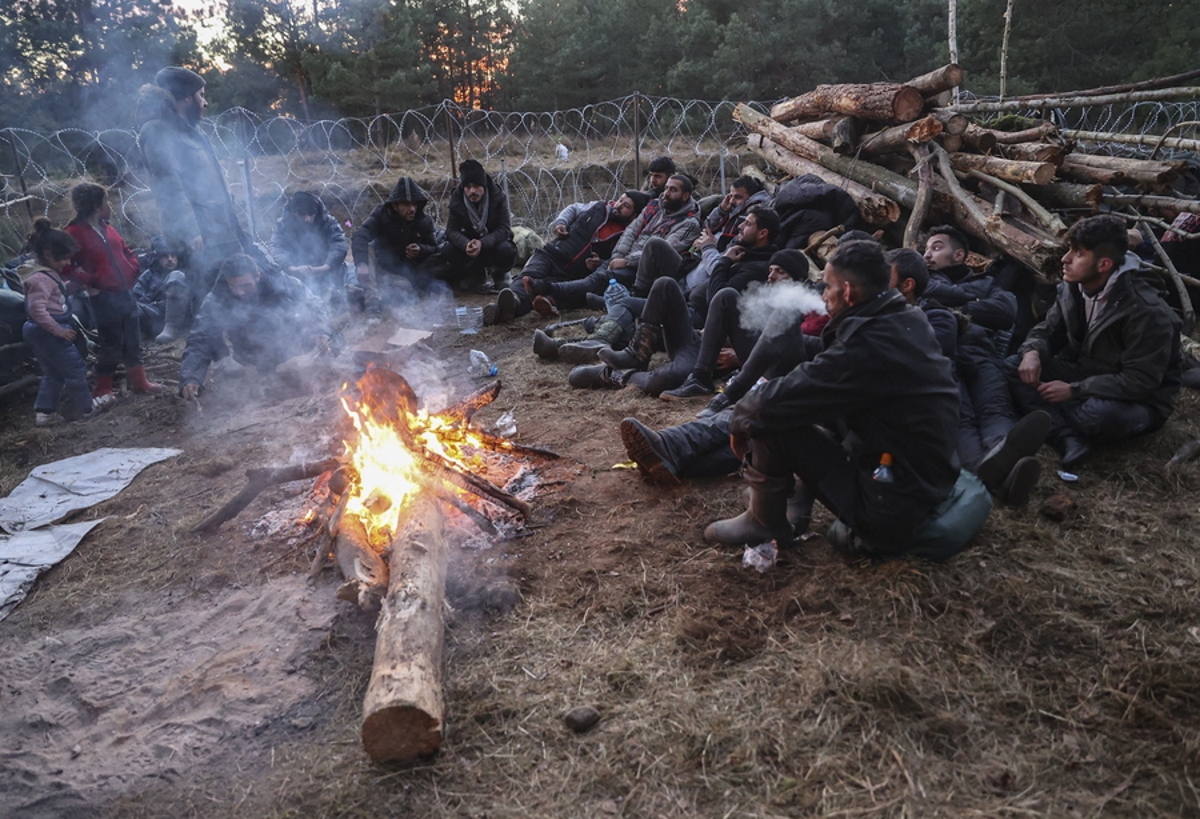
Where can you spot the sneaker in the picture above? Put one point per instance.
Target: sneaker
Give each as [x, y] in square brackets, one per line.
[103, 402]
[545, 306]
[46, 419]
[693, 387]
[491, 314]
[719, 403]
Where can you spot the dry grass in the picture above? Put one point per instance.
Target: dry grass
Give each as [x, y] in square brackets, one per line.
[1048, 671]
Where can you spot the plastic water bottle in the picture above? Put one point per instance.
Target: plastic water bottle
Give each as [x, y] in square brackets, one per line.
[883, 472]
[480, 366]
[614, 294]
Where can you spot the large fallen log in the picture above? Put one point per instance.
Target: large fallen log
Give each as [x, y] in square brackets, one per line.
[404, 707]
[1074, 101]
[1119, 170]
[875, 208]
[979, 139]
[892, 185]
[878, 102]
[1034, 152]
[1151, 140]
[1069, 195]
[1042, 130]
[899, 137]
[940, 79]
[1164, 202]
[1035, 173]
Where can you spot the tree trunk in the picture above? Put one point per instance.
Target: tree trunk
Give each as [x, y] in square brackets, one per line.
[1068, 195]
[1117, 170]
[1034, 173]
[920, 211]
[899, 137]
[1144, 85]
[1034, 134]
[952, 123]
[892, 185]
[1034, 152]
[1167, 202]
[979, 139]
[1149, 140]
[1075, 101]
[404, 707]
[941, 79]
[875, 208]
[821, 129]
[878, 102]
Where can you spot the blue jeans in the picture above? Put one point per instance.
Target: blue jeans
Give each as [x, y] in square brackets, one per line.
[63, 370]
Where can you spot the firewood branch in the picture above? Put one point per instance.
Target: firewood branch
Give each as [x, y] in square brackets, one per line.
[256, 481]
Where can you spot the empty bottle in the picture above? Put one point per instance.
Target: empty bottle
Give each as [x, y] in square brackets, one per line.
[883, 472]
[614, 294]
[480, 366]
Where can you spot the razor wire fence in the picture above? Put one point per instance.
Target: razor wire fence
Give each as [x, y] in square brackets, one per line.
[544, 160]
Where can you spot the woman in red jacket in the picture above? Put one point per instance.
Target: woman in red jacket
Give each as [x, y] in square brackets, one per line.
[107, 267]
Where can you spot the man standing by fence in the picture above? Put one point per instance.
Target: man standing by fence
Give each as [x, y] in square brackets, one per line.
[195, 209]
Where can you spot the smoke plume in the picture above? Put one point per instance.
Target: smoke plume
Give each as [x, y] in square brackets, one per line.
[771, 309]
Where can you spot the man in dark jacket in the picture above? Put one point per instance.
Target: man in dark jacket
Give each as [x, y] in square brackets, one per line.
[479, 238]
[1105, 361]
[266, 317]
[310, 245]
[882, 381]
[402, 237]
[584, 235]
[195, 210]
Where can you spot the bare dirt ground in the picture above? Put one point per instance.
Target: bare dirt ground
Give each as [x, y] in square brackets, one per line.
[1048, 671]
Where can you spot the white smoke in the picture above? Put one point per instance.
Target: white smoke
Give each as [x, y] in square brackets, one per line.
[772, 308]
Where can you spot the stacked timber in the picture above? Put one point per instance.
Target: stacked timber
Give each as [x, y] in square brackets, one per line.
[901, 152]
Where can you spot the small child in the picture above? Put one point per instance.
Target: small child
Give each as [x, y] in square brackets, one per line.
[109, 269]
[48, 330]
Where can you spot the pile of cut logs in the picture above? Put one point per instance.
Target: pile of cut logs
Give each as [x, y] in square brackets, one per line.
[901, 147]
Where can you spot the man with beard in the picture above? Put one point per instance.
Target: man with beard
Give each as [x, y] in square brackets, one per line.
[401, 234]
[656, 239]
[667, 318]
[195, 209]
[584, 238]
[479, 238]
[310, 245]
[266, 317]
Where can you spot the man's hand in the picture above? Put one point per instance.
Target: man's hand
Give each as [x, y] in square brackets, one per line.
[65, 334]
[726, 203]
[411, 251]
[1055, 391]
[561, 231]
[473, 248]
[1030, 370]
[734, 253]
[704, 240]
[740, 444]
[190, 391]
[617, 264]
[301, 270]
[593, 262]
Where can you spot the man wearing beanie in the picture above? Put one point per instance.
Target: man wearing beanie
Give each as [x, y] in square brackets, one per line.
[195, 210]
[584, 236]
[479, 239]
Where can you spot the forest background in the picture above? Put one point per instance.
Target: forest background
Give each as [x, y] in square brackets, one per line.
[70, 63]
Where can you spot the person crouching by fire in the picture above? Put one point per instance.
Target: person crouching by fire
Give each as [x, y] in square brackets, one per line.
[265, 316]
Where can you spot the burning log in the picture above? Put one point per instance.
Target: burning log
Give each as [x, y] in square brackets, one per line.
[365, 572]
[404, 706]
[467, 407]
[878, 102]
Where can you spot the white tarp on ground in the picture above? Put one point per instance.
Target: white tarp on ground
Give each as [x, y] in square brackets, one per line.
[50, 492]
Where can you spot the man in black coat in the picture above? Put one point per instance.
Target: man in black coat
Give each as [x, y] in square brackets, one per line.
[309, 244]
[479, 238]
[882, 382]
[1105, 361]
[401, 234]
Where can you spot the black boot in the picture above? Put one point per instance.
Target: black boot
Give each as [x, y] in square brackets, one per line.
[544, 346]
[639, 352]
[586, 351]
[598, 377]
[645, 448]
[766, 517]
[1023, 441]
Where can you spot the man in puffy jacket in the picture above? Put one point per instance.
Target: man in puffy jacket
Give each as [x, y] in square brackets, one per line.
[401, 234]
[310, 244]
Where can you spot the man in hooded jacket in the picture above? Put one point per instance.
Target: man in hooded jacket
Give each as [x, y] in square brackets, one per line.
[310, 245]
[402, 237]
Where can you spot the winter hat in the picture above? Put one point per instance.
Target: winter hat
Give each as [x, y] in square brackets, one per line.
[303, 202]
[178, 81]
[663, 164]
[793, 263]
[640, 200]
[470, 172]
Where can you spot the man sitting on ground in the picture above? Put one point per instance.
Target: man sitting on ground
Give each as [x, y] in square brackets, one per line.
[310, 245]
[1105, 362]
[401, 235]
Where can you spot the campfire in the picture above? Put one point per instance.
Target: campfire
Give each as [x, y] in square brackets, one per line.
[380, 512]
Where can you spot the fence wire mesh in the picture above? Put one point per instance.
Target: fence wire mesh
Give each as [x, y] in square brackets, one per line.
[353, 163]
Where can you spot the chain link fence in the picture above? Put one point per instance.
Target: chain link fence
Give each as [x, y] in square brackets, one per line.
[544, 160]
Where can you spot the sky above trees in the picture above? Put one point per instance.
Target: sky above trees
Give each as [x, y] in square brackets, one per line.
[79, 62]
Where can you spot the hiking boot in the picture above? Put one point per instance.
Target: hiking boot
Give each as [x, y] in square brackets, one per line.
[544, 306]
[535, 287]
[1020, 482]
[597, 377]
[506, 306]
[719, 403]
[765, 517]
[544, 346]
[1023, 440]
[639, 352]
[644, 447]
[694, 387]
[581, 351]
